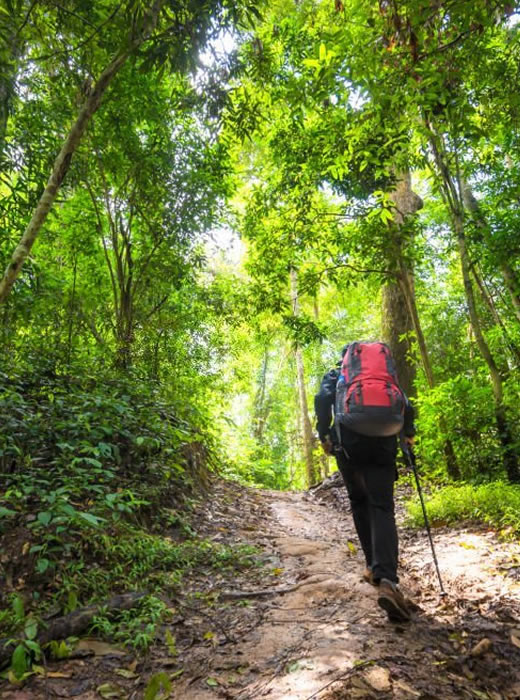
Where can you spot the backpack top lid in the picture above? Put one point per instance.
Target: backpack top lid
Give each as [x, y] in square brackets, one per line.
[369, 400]
[368, 360]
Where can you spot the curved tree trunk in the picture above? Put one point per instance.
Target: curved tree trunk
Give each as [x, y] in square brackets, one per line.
[63, 160]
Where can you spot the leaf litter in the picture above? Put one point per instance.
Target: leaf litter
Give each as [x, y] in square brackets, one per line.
[307, 625]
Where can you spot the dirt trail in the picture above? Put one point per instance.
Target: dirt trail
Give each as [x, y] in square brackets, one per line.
[327, 638]
[302, 625]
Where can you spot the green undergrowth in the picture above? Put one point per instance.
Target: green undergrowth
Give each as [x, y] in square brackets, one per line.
[496, 504]
[99, 477]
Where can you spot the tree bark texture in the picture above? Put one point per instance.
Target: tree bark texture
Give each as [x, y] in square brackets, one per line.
[407, 202]
[63, 160]
[397, 320]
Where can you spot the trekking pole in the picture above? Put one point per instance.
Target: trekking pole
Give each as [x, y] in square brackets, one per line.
[411, 461]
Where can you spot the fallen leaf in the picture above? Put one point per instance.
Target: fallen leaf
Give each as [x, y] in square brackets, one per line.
[110, 691]
[58, 674]
[481, 647]
[99, 648]
[125, 673]
[378, 678]
[402, 685]
[515, 637]
[167, 661]
[352, 547]
[212, 682]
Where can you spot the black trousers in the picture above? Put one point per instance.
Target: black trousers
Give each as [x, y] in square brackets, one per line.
[369, 473]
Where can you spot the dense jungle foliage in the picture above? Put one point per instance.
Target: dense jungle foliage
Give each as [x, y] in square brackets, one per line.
[200, 204]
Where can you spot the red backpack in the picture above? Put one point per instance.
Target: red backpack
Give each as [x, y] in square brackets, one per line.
[369, 400]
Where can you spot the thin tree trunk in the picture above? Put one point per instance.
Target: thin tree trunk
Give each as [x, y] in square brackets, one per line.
[488, 300]
[324, 458]
[62, 162]
[508, 273]
[504, 431]
[452, 465]
[71, 310]
[304, 410]
[260, 407]
[452, 190]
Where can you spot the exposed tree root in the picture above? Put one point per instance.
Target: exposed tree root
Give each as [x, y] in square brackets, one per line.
[72, 624]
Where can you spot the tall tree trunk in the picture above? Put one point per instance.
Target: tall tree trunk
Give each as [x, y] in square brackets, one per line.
[260, 407]
[397, 320]
[8, 73]
[407, 203]
[508, 273]
[306, 427]
[61, 165]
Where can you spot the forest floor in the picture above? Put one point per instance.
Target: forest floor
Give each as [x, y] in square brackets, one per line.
[303, 625]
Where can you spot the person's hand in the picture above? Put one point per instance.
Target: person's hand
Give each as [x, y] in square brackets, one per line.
[327, 446]
[409, 440]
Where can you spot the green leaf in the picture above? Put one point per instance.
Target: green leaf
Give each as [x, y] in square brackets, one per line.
[34, 647]
[159, 683]
[6, 512]
[30, 628]
[42, 565]
[386, 215]
[18, 607]
[212, 682]
[91, 519]
[323, 52]
[19, 661]
[44, 518]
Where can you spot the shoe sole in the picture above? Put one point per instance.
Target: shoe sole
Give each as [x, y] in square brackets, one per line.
[394, 611]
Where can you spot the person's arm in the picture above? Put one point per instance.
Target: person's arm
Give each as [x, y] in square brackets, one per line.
[323, 404]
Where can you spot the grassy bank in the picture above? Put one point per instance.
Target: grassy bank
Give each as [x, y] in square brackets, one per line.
[496, 504]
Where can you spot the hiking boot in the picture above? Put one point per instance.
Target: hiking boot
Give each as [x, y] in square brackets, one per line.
[392, 601]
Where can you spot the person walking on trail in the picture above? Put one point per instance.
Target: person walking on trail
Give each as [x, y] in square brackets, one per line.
[361, 410]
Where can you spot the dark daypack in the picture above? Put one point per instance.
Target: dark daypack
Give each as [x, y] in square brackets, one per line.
[369, 400]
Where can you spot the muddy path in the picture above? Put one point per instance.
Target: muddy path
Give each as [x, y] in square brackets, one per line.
[301, 624]
[325, 637]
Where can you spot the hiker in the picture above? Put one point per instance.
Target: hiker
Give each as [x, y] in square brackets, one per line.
[360, 411]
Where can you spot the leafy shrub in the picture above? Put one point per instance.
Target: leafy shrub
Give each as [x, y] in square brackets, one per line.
[496, 503]
[467, 409]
